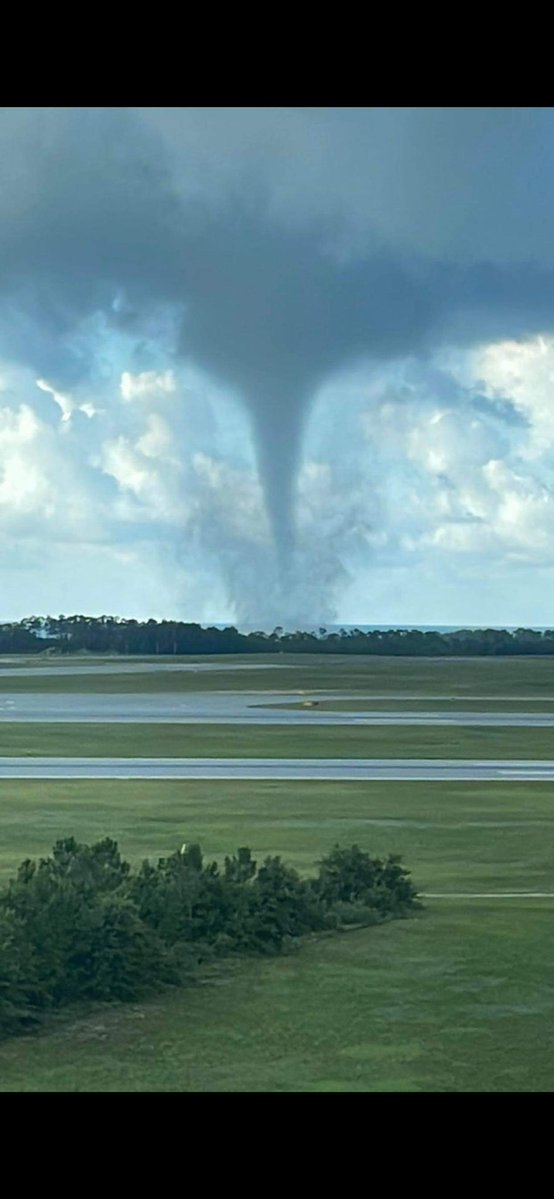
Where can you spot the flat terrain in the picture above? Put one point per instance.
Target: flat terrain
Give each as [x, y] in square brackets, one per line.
[532, 678]
[457, 998]
[225, 741]
[346, 692]
[455, 836]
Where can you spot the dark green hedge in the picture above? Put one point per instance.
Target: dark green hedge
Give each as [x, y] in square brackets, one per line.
[81, 925]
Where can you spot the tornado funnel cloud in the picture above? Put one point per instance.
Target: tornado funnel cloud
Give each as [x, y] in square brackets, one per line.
[278, 436]
[287, 245]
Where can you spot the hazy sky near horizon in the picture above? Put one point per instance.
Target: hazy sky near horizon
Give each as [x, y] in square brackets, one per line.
[278, 365]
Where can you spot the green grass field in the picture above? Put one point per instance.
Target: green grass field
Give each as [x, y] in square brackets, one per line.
[458, 998]
[533, 677]
[454, 836]
[238, 741]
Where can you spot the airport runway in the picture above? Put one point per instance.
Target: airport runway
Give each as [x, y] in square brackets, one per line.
[299, 769]
[231, 707]
[115, 667]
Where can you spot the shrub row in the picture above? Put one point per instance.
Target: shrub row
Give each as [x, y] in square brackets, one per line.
[81, 925]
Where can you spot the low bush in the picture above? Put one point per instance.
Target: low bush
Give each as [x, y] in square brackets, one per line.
[80, 925]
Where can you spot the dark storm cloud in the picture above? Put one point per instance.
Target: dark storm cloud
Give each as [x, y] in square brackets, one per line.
[291, 243]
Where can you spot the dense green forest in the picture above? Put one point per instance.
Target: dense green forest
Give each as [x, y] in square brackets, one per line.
[82, 925]
[115, 635]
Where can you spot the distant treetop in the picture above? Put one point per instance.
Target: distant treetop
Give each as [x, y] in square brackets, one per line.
[116, 635]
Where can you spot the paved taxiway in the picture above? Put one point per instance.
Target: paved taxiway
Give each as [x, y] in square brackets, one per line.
[111, 668]
[230, 707]
[335, 769]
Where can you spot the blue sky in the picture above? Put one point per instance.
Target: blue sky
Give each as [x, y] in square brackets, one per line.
[278, 365]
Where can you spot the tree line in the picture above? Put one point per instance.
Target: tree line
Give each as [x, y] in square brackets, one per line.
[81, 925]
[115, 635]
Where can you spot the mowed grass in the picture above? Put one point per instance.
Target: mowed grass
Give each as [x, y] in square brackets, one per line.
[532, 677]
[256, 741]
[454, 836]
[458, 998]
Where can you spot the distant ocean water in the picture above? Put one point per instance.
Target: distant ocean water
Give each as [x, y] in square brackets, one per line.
[376, 628]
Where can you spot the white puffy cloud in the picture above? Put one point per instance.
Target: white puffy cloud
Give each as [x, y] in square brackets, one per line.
[453, 478]
[25, 486]
[40, 488]
[66, 403]
[157, 441]
[315, 235]
[449, 440]
[523, 373]
[147, 469]
[441, 473]
[146, 383]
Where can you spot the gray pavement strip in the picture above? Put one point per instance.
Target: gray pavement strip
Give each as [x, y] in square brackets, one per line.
[486, 894]
[231, 708]
[297, 769]
[115, 667]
